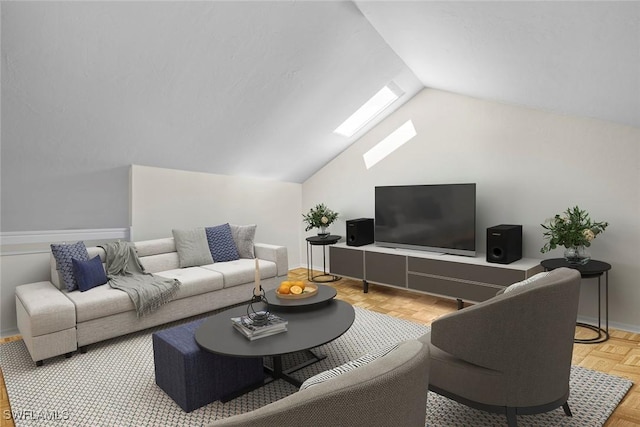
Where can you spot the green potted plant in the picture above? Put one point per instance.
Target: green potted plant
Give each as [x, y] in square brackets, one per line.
[319, 217]
[574, 230]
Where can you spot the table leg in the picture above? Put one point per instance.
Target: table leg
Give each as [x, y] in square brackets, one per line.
[603, 335]
[309, 262]
[277, 373]
[606, 300]
[310, 276]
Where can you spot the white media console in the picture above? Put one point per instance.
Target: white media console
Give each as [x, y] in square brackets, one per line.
[451, 276]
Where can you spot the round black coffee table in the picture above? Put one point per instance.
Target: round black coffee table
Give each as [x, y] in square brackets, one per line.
[592, 269]
[324, 295]
[305, 330]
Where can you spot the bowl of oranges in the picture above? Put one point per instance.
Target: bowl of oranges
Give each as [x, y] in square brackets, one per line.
[294, 289]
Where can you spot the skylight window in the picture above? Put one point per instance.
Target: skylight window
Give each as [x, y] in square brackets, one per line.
[377, 104]
[390, 144]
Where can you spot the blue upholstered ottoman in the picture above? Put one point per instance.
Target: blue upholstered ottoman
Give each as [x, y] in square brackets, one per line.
[193, 377]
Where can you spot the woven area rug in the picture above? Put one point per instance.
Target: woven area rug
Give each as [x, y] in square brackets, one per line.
[113, 385]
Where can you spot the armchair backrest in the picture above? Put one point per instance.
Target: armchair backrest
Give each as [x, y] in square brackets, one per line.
[526, 334]
[390, 388]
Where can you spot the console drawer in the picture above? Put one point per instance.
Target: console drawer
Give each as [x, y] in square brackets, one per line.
[346, 262]
[441, 286]
[386, 269]
[476, 273]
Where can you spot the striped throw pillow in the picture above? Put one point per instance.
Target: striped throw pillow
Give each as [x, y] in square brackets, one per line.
[349, 366]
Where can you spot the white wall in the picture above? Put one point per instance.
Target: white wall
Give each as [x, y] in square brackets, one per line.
[164, 199]
[528, 166]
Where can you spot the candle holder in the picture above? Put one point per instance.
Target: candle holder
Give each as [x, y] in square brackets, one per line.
[260, 317]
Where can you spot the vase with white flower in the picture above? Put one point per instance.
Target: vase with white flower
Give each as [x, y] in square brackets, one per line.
[575, 231]
[320, 217]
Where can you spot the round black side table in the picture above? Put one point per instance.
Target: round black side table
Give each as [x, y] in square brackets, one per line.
[320, 241]
[590, 270]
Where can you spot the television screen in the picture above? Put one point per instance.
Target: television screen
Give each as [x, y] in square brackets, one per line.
[440, 217]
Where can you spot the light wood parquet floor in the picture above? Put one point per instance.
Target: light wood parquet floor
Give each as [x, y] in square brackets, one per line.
[620, 355]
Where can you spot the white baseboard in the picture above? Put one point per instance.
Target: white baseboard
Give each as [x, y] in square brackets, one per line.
[612, 325]
[9, 333]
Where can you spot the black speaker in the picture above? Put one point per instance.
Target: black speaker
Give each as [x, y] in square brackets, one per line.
[359, 231]
[504, 243]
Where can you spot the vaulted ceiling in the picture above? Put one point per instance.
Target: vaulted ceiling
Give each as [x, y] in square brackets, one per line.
[256, 88]
[572, 57]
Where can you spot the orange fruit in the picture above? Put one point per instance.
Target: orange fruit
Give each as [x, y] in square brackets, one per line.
[284, 287]
[299, 283]
[295, 289]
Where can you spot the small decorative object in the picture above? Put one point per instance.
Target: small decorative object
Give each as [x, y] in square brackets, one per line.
[320, 217]
[259, 318]
[574, 230]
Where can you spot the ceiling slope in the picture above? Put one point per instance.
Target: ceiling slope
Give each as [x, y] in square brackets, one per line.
[576, 58]
[237, 88]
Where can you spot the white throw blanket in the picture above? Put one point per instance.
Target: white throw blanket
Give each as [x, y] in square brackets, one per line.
[126, 273]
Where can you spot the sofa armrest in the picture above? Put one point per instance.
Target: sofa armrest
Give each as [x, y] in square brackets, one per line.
[46, 320]
[273, 253]
[46, 309]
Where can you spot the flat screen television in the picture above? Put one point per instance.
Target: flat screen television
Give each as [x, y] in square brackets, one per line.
[437, 218]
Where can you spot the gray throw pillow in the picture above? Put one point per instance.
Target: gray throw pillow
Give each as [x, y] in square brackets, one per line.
[192, 247]
[243, 236]
[526, 282]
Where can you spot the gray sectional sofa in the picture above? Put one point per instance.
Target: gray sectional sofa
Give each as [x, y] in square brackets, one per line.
[54, 321]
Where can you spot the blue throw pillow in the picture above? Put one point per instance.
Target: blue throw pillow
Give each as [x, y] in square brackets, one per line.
[63, 253]
[89, 274]
[221, 243]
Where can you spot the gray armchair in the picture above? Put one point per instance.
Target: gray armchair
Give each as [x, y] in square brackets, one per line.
[380, 393]
[510, 354]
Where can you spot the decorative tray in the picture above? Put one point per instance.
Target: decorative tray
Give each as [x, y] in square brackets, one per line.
[309, 290]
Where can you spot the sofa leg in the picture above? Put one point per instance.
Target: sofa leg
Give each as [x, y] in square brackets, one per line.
[83, 349]
[567, 410]
[512, 419]
[40, 363]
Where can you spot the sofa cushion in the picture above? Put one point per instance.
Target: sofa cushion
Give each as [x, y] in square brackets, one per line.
[192, 247]
[101, 301]
[89, 274]
[194, 280]
[242, 271]
[526, 282]
[160, 262]
[221, 243]
[346, 367]
[155, 247]
[63, 254]
[243, 236]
